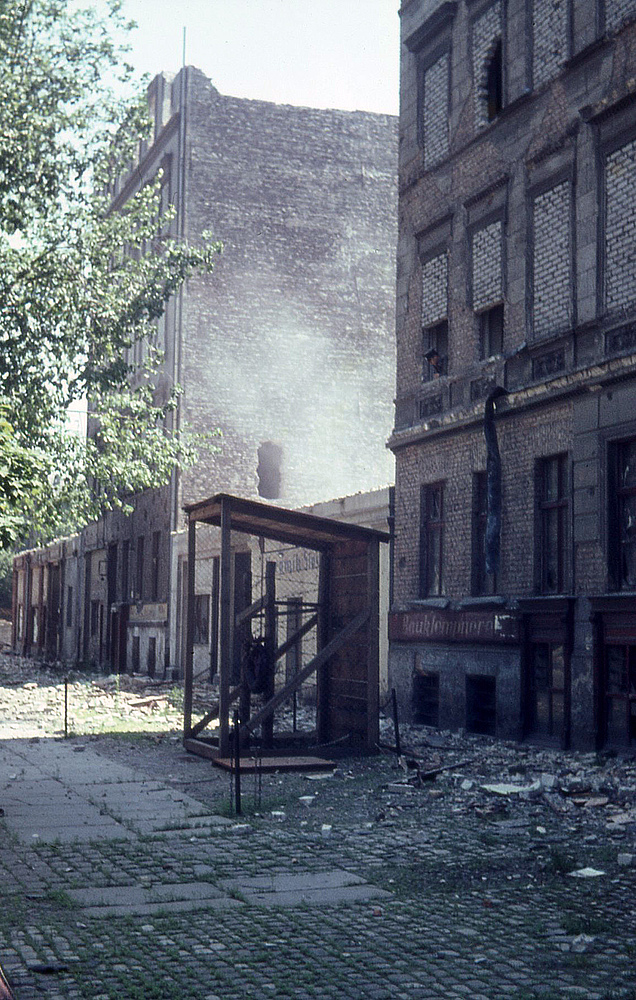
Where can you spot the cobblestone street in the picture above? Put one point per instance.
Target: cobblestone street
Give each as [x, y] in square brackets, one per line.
[511, 874]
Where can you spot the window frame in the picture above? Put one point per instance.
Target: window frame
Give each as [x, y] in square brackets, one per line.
[617, 496]
[431, 540]
[544, 508]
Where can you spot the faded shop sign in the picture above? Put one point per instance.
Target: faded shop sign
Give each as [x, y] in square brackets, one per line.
[453, 626]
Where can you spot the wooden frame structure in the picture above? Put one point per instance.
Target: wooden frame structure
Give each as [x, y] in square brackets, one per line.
[346, 619]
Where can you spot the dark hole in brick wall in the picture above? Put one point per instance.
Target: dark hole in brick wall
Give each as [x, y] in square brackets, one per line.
[481, 712]
[269, 469]
[426, 698]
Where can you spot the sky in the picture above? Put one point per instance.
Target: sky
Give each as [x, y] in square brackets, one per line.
[316, 53]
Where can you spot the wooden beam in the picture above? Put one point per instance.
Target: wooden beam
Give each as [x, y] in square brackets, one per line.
[298, 634]
[247, 613]
[332, 647]
[213, 713]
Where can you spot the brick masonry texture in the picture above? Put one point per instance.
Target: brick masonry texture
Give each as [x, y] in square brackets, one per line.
[552, 287]
[435, 125]
[435, 289]
[620, 232]
[617, 11]
[486, 30]
[486, 259]
[549, 20]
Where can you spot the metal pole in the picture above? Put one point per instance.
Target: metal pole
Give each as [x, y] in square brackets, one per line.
[237, 764]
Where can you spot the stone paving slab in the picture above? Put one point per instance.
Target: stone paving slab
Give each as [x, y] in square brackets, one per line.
[317, 888]
[132, 895]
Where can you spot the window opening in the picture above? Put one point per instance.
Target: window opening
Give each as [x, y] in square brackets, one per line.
[139, 583]
[624, 511]
[494, 82]
[553, 507]
[491, 331]
[484, 583]
[269, 470]
[435, 350]
[431, 540]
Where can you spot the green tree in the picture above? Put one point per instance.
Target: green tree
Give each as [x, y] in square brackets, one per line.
[78, 284]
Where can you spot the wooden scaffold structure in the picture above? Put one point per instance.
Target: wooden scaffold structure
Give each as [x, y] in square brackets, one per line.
[345, 621]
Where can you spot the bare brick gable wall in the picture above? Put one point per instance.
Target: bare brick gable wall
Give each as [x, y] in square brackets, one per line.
[291, 339]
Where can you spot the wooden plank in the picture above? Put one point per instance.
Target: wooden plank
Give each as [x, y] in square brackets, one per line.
[247, 613]
[293, 639]
[266, 765]
[321, 658]
[213, 713]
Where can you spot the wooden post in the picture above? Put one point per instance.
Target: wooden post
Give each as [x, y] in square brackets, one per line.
[225, 658]
[189, 644]
[323, 637]
[373, 644]
[270, 644]
[214, 624]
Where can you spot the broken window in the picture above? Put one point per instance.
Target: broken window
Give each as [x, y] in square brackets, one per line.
[494, 81]
[622, 512]
[435, 351]
[491, 331]
[552, 487]
[269, 470]
[431, 539]
[483, 583]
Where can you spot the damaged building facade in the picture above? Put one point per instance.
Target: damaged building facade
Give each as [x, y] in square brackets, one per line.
[516, 293]
[287, 348]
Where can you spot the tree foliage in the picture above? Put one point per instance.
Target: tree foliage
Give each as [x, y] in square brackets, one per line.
[79, 285]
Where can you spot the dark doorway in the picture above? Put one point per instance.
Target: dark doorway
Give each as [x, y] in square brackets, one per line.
[426, 698]
[619, 695]
[546, 706]
[481, 705]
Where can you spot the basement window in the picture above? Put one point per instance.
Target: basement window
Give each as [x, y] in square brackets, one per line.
[426, 698]
[269, 470]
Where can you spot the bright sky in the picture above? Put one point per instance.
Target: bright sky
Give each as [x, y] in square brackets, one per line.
[318, 53]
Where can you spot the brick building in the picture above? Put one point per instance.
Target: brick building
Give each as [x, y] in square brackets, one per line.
[517, 272]
[287, 348]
